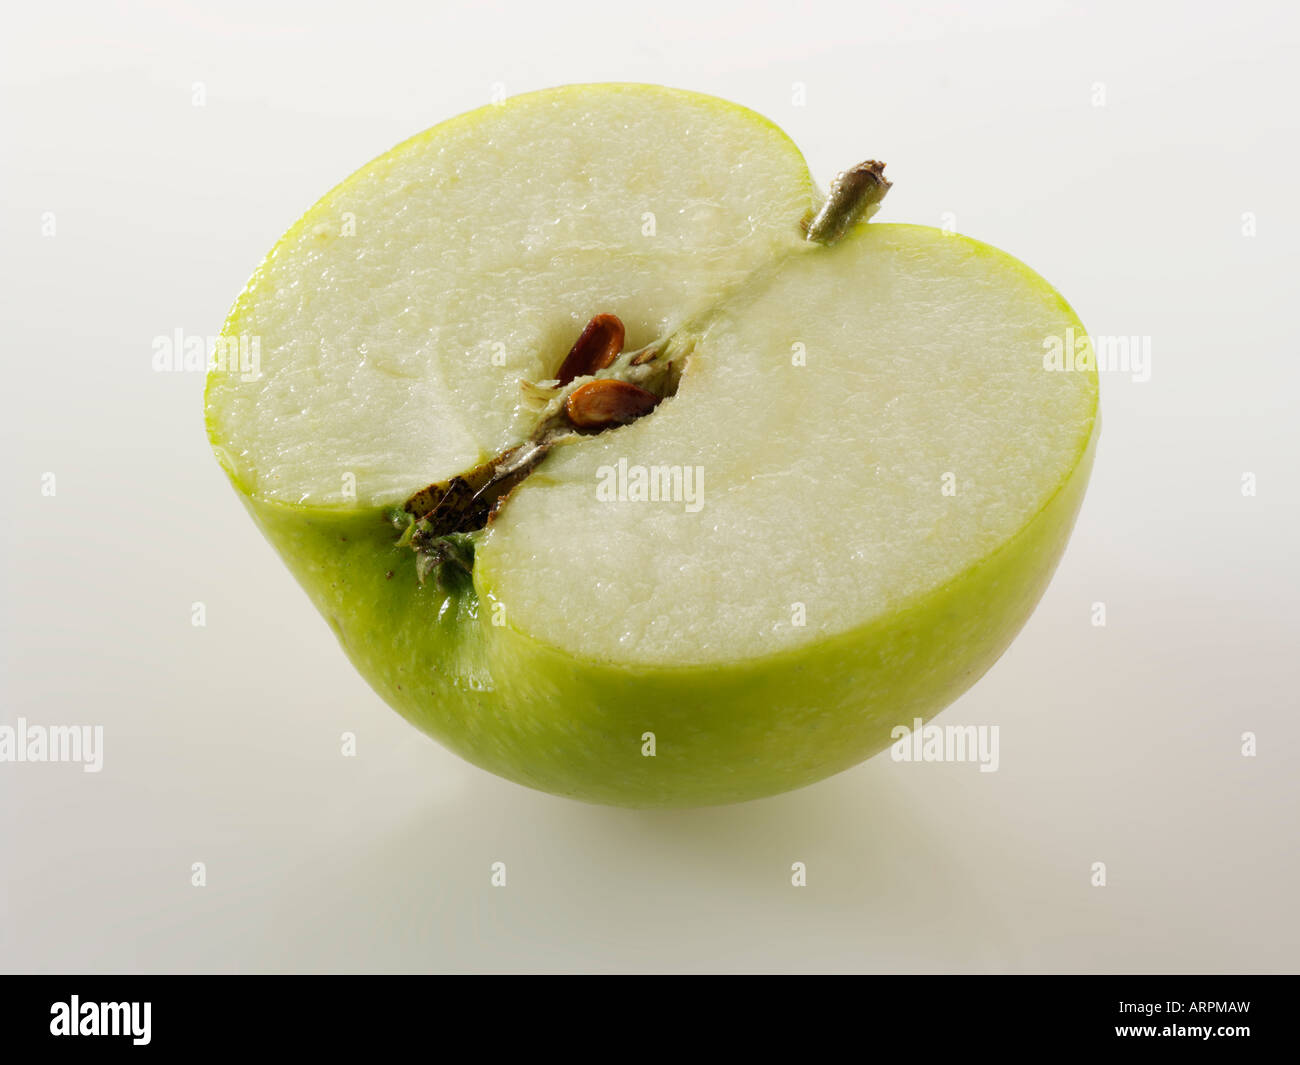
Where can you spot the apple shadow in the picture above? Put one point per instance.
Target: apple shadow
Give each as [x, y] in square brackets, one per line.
[590, 888]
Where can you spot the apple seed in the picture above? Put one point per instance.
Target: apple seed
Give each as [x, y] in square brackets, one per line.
[606, 402]
[595, 349]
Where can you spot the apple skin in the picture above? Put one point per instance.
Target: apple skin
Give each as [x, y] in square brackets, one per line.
[506, 701]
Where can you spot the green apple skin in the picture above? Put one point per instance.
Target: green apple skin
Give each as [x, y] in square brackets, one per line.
[519, 708]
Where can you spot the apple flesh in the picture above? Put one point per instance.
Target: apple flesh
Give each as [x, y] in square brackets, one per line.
[873, 476]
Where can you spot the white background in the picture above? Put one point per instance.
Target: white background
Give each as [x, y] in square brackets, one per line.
[1120, 744]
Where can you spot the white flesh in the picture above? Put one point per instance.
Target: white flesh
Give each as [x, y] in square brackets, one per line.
[481, 249]
[823, 484]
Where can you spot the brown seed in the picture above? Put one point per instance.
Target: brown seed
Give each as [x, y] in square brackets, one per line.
[597, 347]
[606, 401]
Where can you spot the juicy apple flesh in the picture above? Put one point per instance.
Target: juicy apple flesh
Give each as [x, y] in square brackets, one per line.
[869, 474]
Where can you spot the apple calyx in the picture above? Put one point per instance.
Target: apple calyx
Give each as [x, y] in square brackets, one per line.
[597, 387]
[437, 522]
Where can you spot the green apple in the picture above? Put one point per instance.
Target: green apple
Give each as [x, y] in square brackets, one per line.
[819, 488]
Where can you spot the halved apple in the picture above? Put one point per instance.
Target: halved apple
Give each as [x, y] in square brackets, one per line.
[849, 484]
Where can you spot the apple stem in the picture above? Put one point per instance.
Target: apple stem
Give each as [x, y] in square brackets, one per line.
[855, 194]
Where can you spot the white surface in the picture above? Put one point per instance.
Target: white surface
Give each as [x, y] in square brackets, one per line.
[1119, 744]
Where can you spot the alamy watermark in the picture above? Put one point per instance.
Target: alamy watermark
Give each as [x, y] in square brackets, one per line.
[946, 743]
[179, 352]
[1130, 355]
[53, 743]
[115, 1019]
[626, 483]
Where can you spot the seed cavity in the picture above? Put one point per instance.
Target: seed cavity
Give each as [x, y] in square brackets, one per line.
[439, 522]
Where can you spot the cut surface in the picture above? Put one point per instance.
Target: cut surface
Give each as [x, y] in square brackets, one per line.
[864, 426]
[395, 321]
[855, 426]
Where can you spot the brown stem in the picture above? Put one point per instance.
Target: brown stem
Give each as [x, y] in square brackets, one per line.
[854, 194]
